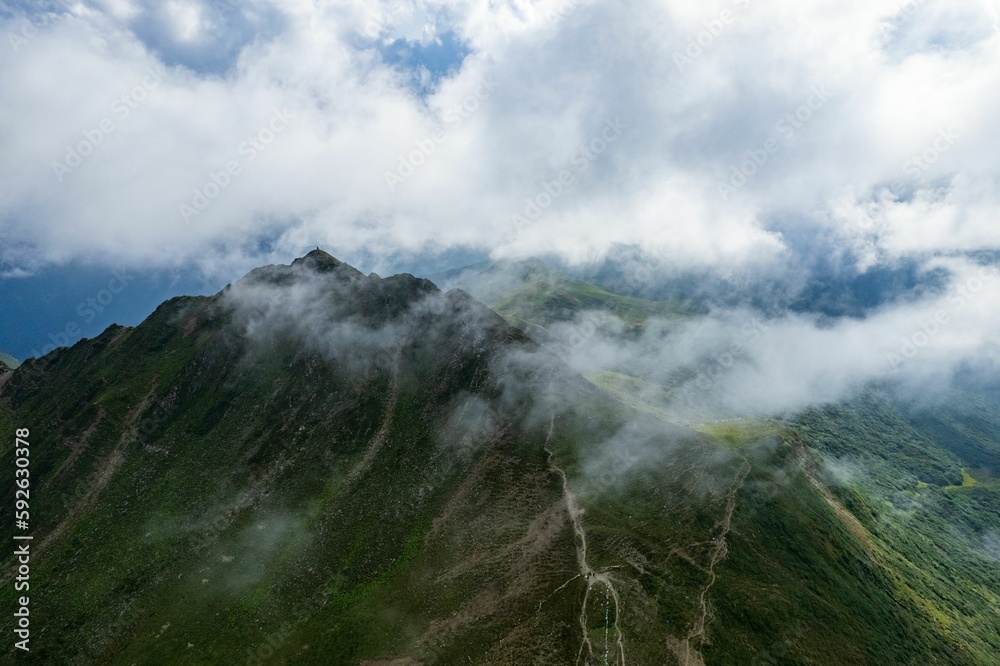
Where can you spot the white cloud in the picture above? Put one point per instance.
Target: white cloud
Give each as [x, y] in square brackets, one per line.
[736, 363]
[564, 69]
[187, 19]
[123, 10]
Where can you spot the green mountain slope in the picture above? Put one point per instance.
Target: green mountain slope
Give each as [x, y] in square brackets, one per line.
[947, 450]
[532, 296]
[920, 478]
[224, 493]
[318, 467]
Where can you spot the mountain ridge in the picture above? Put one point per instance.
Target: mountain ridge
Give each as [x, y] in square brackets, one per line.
[317, 466]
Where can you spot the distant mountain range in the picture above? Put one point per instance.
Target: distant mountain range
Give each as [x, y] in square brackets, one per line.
[315, 466]
[832, 290]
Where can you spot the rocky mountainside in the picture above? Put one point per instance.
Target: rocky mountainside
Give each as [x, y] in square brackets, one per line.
[320, 467]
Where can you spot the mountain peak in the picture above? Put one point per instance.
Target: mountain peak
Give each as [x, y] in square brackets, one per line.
[320, 260]
[316, 262]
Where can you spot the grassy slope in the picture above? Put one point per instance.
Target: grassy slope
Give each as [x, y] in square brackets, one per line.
[817, 581]
[907, 485]
[792, 583]
[229, 529]
[532, 296]
[230, 519]
[897, 511]
[544, 302]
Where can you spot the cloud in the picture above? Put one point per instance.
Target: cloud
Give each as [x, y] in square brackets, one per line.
[797, 143]
[328, 310]
[744, 140]
[735, 363]
[702, 89]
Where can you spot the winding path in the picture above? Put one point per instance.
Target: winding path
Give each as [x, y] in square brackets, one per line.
[691, 656]
[592, 577]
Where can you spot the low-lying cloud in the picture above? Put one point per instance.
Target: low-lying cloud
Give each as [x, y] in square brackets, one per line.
[741, 363]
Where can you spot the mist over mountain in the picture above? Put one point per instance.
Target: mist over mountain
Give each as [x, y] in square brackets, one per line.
[642, 332]
[728, 350]
[809, 284]
[9, 362]
[319, 466]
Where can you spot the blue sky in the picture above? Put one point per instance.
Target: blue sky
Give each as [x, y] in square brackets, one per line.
[60, 305]
[51, 306]
[427, 63]
[189, 141]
